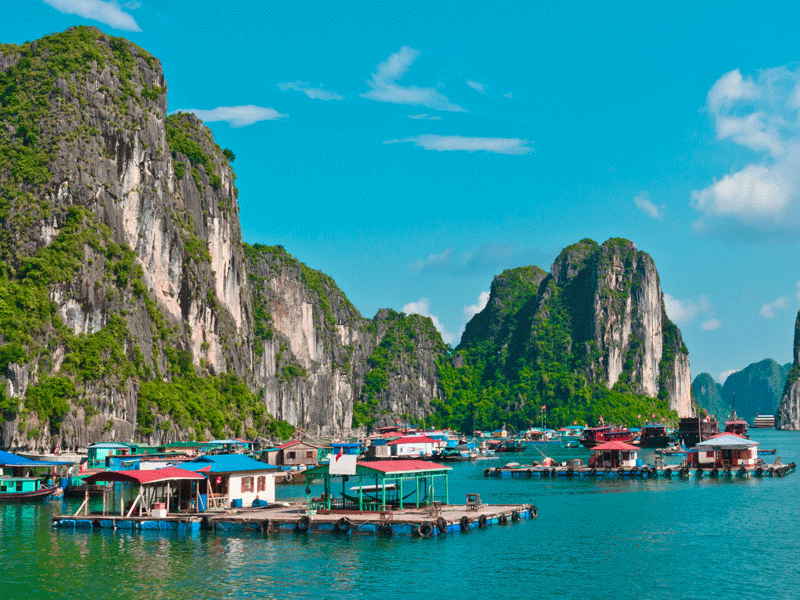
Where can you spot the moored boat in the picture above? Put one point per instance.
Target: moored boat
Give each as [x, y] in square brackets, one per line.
[594, 436]
[654, 435]
[764, 422]
[22, 489]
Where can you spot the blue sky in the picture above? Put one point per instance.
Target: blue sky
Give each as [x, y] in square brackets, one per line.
[412, 151]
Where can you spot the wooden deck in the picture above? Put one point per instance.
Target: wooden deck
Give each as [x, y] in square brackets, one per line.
[646, 471]
[421, 522]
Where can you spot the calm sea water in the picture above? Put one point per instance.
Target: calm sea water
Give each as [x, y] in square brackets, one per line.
[593, 538]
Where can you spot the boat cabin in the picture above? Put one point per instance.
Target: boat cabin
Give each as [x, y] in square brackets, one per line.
[736, 426]
[612, 455]
[592, 436]
[692, 430]
[16, 485]
[725, 450]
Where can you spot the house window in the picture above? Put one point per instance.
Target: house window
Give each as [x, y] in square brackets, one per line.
[290, 455]
[309, 454]
[262, 483]
[247, 484]
[710, 454]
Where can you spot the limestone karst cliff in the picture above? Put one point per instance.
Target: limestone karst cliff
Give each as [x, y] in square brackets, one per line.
[558, 340]
[130, 307]
[788, 414]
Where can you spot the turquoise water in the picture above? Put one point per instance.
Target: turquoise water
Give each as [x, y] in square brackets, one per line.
[606, 538]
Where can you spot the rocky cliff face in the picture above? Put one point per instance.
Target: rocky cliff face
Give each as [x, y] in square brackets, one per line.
[129, 302]
[788, 414]
[600, 312]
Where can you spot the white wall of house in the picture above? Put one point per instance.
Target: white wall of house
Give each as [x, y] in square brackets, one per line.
[412, 449]
[237, 485]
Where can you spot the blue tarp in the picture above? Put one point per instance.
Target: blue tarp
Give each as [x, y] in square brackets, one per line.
[226, 463]
[12, 460]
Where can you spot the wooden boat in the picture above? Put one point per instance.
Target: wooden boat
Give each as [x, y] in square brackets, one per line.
[24, 489]
[594, 436]
[654, 435]
[736, 426]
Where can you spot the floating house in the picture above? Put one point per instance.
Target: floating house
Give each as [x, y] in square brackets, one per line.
[614, 455]
[235, 480]
[725, 450]
[381, 485]
[293, 454]
[413, 446]
[98, 453]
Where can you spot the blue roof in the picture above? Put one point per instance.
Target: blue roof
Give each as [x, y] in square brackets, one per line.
[226, 463]
[345, 444]
[12, 460]
[111, 445]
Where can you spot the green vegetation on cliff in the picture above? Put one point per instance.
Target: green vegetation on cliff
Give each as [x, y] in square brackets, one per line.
[538, 350]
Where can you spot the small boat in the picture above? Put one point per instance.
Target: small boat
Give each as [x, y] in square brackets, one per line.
[736, 426]
[22, 489]
[572, 444]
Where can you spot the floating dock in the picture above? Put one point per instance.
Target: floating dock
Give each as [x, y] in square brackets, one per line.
[419, 522]
[645, 471]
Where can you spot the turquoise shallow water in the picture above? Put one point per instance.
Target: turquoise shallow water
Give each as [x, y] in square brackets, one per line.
[603, 538]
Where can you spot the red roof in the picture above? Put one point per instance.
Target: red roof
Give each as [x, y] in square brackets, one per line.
[716, 435]
[149, 476]
[288, 444]
[401, 466]
[615, 446]
[419, 439]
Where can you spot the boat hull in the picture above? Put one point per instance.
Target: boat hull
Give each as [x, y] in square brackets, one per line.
[33, 496]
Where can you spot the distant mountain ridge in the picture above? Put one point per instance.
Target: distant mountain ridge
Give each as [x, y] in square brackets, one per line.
[756, 390]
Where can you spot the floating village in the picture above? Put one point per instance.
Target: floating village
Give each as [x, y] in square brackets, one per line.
[396, 482]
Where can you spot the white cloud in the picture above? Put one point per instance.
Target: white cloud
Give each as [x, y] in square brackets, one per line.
[725, 374]
[315, 93]
[386, 89]
[486, 258]
[109, 13]
[685, 311]
[769, 310]
[763, 115]
[479, 87]
[425, 117]
[647, 207]
[469, 144]
[422, 307]
[237, 116]
[473, 309]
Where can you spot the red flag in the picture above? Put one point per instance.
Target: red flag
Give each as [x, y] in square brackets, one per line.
[339, 454]
[544, 407]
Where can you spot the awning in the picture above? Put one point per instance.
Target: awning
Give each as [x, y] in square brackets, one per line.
[145, 477]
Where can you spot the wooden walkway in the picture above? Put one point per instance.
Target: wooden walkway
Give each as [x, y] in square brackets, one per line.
[421, 522]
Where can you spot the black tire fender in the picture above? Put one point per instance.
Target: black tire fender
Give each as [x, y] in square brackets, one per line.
[515, 515]
[304, 524]
[464, 523]
[343, 525]
[482, 521]
[425, 530]
[534, 512]
[441, 525]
